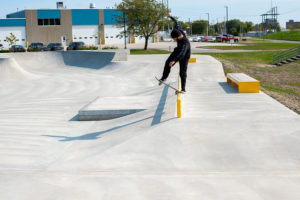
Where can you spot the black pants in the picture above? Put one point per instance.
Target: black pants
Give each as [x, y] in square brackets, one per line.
[183, 63]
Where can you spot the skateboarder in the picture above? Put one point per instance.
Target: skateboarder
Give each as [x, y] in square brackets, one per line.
[181, 53]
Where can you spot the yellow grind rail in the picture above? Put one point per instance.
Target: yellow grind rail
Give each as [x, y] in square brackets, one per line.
[179, 98]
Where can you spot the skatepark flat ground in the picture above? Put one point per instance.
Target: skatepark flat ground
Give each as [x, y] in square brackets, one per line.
[226, 146]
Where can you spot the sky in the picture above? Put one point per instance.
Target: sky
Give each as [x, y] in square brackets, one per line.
[245, 10]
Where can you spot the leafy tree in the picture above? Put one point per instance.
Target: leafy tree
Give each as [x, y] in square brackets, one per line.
[248, 26]
[233, 26]
[199, 27]
[12, 39]
[143, 17]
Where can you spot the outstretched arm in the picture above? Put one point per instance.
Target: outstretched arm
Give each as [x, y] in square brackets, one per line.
[177, 24]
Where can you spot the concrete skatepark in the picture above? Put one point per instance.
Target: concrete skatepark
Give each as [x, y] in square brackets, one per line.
[227, 145]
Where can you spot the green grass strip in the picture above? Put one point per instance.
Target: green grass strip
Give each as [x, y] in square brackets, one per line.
[272, 88]
[262, 45]
[286, 35]
[148, 51]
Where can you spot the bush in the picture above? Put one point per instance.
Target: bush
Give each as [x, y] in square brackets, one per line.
[108, 47]
[88, 48]
[33, 50]
[5, 51]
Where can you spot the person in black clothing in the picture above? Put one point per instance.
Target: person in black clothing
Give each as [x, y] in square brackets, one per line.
[181, 53]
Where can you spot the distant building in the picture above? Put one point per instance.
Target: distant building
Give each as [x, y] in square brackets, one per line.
[292, 25]
[90, 26]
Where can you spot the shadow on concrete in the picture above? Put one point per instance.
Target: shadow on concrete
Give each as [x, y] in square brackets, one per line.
[75, 118]
[93, 136]
[87, 59]
[160, 107]
[228, 88]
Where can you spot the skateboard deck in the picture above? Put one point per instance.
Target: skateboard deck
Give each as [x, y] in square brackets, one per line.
[168, 85]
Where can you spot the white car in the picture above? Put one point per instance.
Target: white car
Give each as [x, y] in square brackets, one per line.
[211, 39]
[190, 38]
[167, 39]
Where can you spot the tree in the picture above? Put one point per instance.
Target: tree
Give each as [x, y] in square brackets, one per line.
[142, 17]
[233, 26]
[12, 39]
[199, 27]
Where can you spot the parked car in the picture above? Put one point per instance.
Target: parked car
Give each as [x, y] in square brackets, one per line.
[190, 38]
[200, 38]
[37, 45]
[1, 47]
[208, 39]
[168, 40]
[54, 47]
[226, 38]
[195, 39]
[17, 48]
[75, 45]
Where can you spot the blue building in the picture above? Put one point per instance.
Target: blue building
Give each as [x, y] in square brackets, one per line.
[91, 26]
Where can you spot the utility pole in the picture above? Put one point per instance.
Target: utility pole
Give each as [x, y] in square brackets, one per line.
[226, 19]
[207, 27]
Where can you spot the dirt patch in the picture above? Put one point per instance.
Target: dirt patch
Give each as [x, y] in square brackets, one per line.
[282, 83]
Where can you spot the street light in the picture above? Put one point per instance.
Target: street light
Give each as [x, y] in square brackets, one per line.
[226, 19]
[124, 30]
[207, 27]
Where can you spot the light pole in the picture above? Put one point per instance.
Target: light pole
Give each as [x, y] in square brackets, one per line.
[168, 9]
[124, 30]
[207, 27]
[226, 19]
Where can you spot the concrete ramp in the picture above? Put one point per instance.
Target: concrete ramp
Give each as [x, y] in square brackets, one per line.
[11, 70]
[226, 146]
[84, 59]
[107, 108]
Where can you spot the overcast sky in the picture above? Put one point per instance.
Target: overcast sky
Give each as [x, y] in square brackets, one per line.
[245, 10]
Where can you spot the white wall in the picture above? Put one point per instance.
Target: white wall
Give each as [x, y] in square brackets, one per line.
[111, 32]
[86, 34]
[19, 32]
[142, 40]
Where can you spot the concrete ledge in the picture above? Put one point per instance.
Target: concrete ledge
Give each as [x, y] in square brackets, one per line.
[245, 83]
[106, 108]
[192, 60]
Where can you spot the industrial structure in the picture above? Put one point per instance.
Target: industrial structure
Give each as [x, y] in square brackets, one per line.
[91, 26]
[270, 20]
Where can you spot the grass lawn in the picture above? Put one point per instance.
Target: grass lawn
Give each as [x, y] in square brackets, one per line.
[286, 35]
[148, 51]
[282, 83]
[256, 45]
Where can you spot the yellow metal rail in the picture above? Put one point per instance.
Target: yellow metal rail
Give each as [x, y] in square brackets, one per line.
[179, 98]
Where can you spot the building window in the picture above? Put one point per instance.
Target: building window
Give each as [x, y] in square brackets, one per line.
[23, 40]
[91, 37]
[40, 22]
[75, 38]
[80, 37]
[52, 22]
[48, 22]
[57, 21]
[85, 37]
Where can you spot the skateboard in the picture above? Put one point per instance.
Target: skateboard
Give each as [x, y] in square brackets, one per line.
[168, 85]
